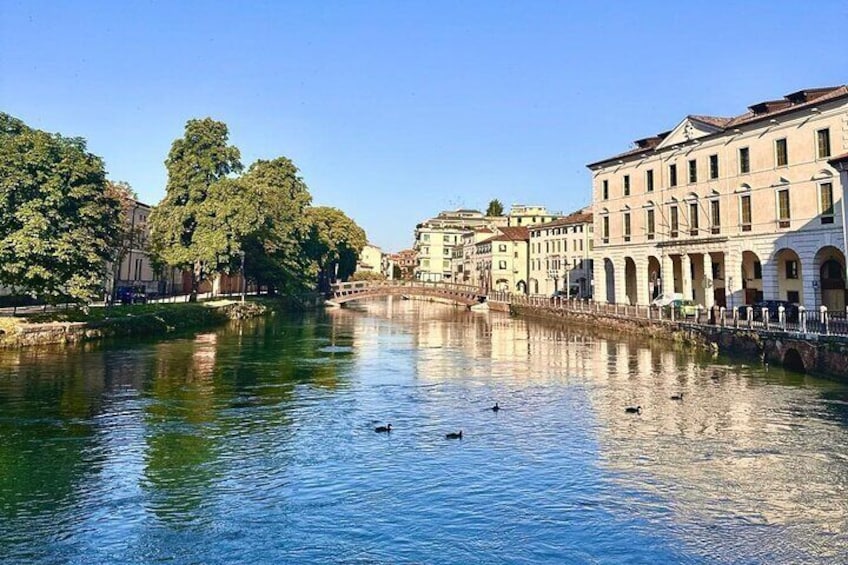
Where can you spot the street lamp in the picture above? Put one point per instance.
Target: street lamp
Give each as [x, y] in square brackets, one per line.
[243, 280]
[566, 266]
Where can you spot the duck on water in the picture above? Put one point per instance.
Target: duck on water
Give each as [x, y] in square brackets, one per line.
[383, 429]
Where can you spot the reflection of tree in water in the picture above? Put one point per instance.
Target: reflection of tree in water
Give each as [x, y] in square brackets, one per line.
[49, 444]
[224, 397]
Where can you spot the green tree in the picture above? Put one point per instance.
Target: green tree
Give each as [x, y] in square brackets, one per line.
[129, 235]
[58, 222]
[199, 224]
[495, 208]
[334, 244]
[276, 254]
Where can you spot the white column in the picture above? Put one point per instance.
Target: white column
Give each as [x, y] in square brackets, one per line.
[733, 279]
[667, 275]
[771, 286]
[810, 297]
[709, 298]
[620, 282]
[686, 273]
[600, 276]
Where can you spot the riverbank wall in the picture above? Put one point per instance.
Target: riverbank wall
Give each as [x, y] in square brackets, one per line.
[825, 355]
[152, 321]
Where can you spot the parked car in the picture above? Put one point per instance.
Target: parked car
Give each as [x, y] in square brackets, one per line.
[666, 299]
[684, 308]
[773, 307]
[132, 295]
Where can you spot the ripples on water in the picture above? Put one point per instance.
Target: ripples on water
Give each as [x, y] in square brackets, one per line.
[256, 444]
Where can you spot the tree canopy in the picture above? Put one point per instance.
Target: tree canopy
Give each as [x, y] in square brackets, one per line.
[495, 208]
[335, 244]
[198, 225]
[58, 221]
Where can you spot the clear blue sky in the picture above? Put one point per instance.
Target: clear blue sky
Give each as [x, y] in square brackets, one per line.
[396, 110]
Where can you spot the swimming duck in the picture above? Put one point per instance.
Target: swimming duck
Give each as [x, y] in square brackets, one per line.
[383, 429]
[633, 409]
[676, 396]
[495, 408]
[454, 435]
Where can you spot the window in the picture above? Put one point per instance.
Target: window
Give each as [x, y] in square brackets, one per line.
[446, 264]
[651, 224]
[606, 229]
[446, 251]
[605, 184]
[693, 171]
[745, 211]
[627, 226]
[716, 267]
[502, 247]
[783, 215]
[781, 153]
[626, 185]
[649, 180]
[826, 199]
[791, 269]
[715, 217]
[675, 224]
[758, 270]
[672, 175]
[793, 296]
[713, 166]
[425, 237]
[501, 265]
[425, 263]
[693, 218]
[823, 142]
[744, 161]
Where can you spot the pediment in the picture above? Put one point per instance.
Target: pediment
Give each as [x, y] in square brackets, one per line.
[687, 130]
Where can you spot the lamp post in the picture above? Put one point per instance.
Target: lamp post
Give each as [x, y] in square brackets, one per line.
[552, 274]
[566, 266]
[730, 291]
[243, 280]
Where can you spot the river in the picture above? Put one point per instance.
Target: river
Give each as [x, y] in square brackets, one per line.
[255, 444]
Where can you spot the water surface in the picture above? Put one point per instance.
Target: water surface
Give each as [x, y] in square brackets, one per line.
[255, 444]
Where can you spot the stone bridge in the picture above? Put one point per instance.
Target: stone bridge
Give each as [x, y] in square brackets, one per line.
[459, 293]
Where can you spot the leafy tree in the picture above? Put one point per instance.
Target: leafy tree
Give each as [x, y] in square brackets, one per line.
[334, 244]
[275, 249]
[58, 221]
[495, 208]
[198, 225]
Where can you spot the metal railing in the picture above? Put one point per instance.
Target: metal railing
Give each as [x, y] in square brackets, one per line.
[820, 321]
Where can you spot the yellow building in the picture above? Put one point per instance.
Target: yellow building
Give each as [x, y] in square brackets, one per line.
[728, 210]
[521, 215]
[502, 261]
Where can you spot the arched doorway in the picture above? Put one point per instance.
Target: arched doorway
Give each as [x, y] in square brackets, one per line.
[752, 278]
[502, 285]
[831, 282]
[654, 277]
[521, 287]
[609, 271]
[790, 281]
[534, 286]
[630, 280]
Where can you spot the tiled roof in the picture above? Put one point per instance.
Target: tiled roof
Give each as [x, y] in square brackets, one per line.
[514, 233]
[807, 98]
[569, 220]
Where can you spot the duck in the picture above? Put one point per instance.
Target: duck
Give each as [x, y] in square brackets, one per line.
[454, 435]
[676, 396]
[633, 409]
[383, 429]
[495, 408]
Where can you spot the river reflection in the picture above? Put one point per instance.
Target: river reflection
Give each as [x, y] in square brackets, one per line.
[255, 443]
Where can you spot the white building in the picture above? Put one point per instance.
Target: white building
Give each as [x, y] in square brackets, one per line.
[561, 255]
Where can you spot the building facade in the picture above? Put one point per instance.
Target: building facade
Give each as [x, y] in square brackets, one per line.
[728, 211]
[404, 263]
[501, 261]
[135, 268]
[371, 260]
[437, 238]
[561, 256]
[521, 215]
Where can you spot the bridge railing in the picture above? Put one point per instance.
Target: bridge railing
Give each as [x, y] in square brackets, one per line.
[819, 321]
[347, 288]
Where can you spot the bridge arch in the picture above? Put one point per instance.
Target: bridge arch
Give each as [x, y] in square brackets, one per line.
[467, 295]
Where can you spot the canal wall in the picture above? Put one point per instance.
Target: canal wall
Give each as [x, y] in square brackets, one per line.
[164, 320]
[824, 355]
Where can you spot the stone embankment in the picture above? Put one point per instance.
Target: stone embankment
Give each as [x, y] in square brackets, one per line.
[154, 321]
[826, 355]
